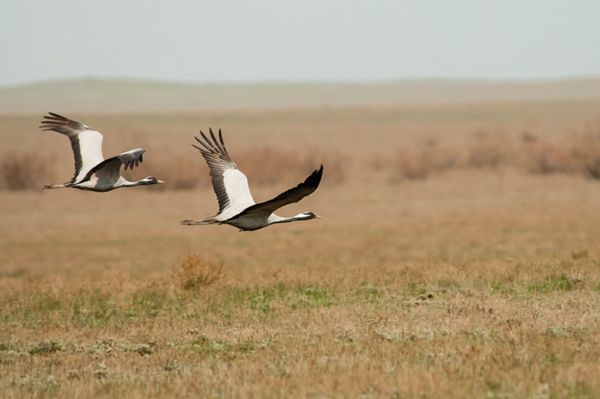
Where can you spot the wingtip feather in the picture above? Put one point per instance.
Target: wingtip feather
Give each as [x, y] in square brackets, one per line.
[53, 116]
[221, 138]
[205, 143]
[315, 178]
[220, 147]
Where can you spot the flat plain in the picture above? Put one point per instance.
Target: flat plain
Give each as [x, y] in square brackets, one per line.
[478, 276]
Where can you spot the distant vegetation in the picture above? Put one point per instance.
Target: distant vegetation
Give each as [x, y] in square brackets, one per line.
[576, 154]
[97, 95]
[25, 170]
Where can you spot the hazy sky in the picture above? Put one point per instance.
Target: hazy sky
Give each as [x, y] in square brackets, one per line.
[274, 40]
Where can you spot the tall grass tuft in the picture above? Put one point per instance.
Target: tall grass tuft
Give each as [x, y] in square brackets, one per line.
[196, 273]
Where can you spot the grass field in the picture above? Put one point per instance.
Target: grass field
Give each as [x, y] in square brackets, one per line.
[479, 281]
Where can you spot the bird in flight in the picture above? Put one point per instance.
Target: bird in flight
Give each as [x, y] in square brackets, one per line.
[92, 171]
[236, 205]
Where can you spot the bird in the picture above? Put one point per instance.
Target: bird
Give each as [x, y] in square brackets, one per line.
[236, 205]
[92, 171]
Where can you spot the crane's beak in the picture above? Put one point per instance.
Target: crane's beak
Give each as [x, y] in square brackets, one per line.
[159, 181]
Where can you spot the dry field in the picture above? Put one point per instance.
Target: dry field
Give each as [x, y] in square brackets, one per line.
[477, 277]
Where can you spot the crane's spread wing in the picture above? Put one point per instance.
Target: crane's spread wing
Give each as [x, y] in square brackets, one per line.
[108, 171]
[307, 187]
[229, 183]
[85, 142]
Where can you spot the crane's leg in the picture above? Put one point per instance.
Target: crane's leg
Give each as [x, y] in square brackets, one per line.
[189, 222]
[51, 186]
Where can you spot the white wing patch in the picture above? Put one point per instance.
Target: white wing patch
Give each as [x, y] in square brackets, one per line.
[90, 147]
[240, 198]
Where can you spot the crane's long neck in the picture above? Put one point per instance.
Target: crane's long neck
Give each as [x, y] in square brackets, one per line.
[273, 218]
[122, 182]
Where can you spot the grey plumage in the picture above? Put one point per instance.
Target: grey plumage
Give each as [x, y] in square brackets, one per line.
[236, 205]
[92, 171]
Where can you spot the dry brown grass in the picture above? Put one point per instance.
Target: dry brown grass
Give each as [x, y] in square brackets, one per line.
[474, 282]
[179, 171]
[421, 162]
[196, 272]
[483, 298]
[24, 170]
[490, 152]
[265, 165]
[577, 154]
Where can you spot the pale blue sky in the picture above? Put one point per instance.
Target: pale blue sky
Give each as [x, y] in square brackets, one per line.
[270, 40]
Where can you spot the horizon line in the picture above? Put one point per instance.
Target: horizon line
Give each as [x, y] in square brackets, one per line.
[275, 82]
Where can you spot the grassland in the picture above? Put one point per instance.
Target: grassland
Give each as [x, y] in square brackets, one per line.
[471, 282]
[106, 96]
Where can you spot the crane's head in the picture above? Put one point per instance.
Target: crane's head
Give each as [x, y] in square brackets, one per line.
[307, 216]
[149, 180]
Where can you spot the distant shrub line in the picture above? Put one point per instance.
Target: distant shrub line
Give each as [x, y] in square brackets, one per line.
[265, 166]
[578, 155]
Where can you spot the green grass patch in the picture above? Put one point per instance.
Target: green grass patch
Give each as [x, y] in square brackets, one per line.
[552, 283]
[8, 347]
[504, 287]
[414, 288]
[370, 294]
[310, 296]
[579, 389]
[148, 302]
[264, 299]
[45, 347]
[95, 309]
[256, 298]
[40, 308]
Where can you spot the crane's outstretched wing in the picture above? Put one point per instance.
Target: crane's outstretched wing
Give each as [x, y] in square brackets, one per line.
[85, 142]
[108, 171]
[229, 183]
[307, 187]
